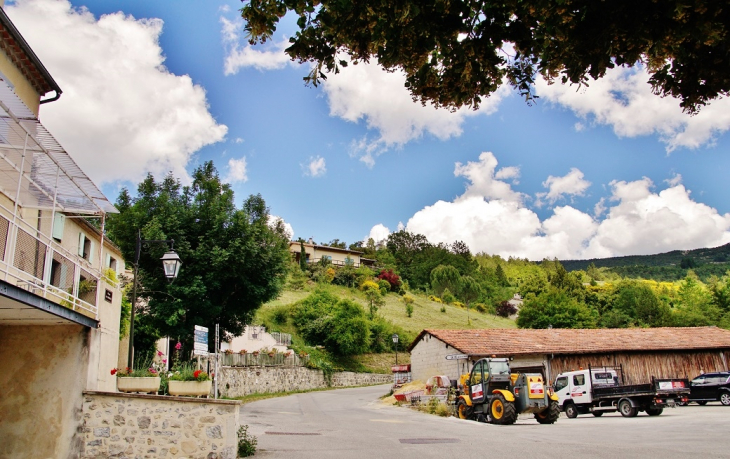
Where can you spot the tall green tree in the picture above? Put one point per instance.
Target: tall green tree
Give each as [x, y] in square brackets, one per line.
[445, 277]
[454, 53]
[233, 260]
[555, 308]
[469, 291]
[302, 256]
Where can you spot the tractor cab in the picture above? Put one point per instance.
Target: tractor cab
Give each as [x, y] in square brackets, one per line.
[487, 376]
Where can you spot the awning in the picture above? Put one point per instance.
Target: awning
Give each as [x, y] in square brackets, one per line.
[47, 177]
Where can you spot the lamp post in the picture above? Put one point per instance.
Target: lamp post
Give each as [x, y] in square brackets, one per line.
[171, 264]
[395, 341]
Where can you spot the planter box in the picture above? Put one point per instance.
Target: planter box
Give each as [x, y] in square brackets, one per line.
[148, 385]
[194, 388]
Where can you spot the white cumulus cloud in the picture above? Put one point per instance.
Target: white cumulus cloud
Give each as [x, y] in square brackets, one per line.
[115, 115]
[623, 100]
[572, 184]
[378, 233]
[288, 229]
[365, 92]
[237, 170]
[491, 217]
[316, 167]
[239, 55]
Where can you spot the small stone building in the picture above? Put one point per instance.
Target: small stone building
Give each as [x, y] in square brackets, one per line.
[642, 352]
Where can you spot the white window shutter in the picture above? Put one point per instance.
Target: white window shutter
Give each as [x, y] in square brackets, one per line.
[107, 261]
[59, 221]
[81, 244]
[91, 250]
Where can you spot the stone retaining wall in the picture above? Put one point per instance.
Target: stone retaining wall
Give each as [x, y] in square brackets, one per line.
[151, 426]
[240, 381]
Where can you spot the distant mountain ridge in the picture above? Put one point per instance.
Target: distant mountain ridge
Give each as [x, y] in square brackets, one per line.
[663, 266]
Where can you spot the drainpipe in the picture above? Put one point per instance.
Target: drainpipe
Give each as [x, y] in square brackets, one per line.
[51, 99]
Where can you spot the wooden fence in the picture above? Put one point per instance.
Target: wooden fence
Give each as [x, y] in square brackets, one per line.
[638, 368]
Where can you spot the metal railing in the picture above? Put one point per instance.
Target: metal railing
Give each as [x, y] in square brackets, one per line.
[263, 360]
[37, 263]
[282, 339]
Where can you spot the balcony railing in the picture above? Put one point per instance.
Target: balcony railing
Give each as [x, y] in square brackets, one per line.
[38, 264]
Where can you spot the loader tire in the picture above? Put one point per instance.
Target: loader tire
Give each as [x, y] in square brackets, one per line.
[550, 414]
[464, 411]
[501, 411]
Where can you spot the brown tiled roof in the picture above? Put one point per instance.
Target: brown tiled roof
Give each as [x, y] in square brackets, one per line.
[17, 49]
[503, 342]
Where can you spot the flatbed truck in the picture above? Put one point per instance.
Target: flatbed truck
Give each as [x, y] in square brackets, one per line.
[601, 390]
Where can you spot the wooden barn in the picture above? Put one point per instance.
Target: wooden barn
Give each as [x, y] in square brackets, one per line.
[642, 352]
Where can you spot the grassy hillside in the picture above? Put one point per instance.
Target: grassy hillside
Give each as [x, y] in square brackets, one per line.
[426, 314]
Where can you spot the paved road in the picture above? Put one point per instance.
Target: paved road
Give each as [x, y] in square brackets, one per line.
[353, 423]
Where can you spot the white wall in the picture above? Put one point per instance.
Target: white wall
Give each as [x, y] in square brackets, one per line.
[428, 358]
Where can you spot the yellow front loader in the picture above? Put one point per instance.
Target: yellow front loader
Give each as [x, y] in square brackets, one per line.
[492, 393]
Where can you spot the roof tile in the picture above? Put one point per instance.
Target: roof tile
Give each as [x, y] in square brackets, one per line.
[579, 341]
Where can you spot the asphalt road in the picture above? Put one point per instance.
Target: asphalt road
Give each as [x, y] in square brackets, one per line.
[354, 423]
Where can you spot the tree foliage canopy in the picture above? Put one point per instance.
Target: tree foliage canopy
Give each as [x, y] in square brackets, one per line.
[457, 52]
[233, 260]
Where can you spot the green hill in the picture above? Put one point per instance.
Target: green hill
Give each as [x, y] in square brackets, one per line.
[426, 314]
[669, 266]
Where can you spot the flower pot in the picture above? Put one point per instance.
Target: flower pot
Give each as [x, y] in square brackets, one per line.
[194, 388]
[148, 385]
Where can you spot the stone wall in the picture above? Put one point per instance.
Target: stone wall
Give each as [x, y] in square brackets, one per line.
[240, 381]
[151, 426]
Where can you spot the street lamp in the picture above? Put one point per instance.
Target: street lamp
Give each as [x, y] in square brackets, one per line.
[395, 341]
[171, 264]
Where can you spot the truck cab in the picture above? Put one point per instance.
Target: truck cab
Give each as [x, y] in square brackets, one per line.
[575, 386]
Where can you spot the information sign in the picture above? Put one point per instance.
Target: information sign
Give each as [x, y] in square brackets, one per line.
[457, 357]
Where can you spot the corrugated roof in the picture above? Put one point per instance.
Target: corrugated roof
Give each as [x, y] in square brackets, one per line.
[50, 177]
[503, 342]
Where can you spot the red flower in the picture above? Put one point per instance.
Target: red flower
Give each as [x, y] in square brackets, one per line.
[114, 371]
[196, 373]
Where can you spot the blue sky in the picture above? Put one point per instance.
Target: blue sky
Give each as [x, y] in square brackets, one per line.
[157, 86]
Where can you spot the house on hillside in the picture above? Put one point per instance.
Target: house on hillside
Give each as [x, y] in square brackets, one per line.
[338, 257]
[642, 352]
[60, 300]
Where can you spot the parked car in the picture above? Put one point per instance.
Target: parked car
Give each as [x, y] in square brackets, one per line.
[710, 387]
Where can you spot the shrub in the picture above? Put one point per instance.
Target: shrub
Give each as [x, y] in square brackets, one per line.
[392, 278]
[280, 314]
[443, 308]
[442, 410]
[384, 286]
[409, 309]
[246, 443]
[435, 299]
[340, 325]
[481, 307]
[459, 304]
[506, 309]
[448, 297]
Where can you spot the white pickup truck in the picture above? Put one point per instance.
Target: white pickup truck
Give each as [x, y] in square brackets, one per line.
[601, 390]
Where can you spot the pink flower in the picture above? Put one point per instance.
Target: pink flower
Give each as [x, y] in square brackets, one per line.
[178, 346]
[159, 353]
[164, 360]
